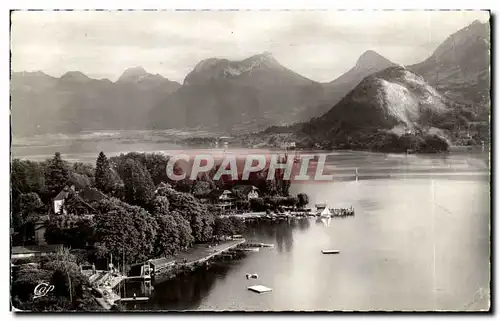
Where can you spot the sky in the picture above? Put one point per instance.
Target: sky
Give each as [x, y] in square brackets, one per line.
[320, 45]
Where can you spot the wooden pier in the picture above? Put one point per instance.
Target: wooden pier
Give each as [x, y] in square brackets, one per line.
[139, 298]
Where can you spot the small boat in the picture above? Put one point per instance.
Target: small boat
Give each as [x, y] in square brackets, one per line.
[330, 251]
[267, 245]
[259, 288]
[252, 276]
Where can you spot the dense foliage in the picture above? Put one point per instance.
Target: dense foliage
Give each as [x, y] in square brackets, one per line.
[174, 231]
[200, 219]
[71, 289]
[124, 230]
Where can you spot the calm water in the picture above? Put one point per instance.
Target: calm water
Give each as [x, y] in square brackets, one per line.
[413, 245]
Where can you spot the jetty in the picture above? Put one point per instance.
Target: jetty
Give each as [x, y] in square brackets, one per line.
[134, 299]
[202, 253]
[198, 254]
[255, 245]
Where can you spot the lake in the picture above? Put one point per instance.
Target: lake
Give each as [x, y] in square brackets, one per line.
[413, 245]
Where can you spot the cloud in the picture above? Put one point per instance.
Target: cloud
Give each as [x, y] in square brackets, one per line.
[318, 44]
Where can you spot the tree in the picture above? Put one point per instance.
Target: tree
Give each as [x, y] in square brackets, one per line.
[257, 204]
[56, 174]
[409, 141]
[223, 227]
[174, 231]
[103, 174]
[237, 224]
[123, 229]
[196, 213]
[26, 177]
[70, 230]
[79, 181]
[84, 169]
[138, 186]
[201, 188]
[155, 164]
[434, 144]
[30, 206]
[303, 200]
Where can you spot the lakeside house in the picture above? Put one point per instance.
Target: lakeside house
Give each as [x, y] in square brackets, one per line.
[59, 199]
[86, 196]
[223, 199]
[246, 192]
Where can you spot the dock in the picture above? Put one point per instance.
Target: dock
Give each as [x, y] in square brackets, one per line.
[204, 254]
[198, 254]
[139, 298]
[255, 245]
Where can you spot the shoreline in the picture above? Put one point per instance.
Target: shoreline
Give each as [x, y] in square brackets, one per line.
[198, 254]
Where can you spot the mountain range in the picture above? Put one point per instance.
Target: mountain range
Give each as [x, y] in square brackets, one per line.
[257, 92]
[74, 102]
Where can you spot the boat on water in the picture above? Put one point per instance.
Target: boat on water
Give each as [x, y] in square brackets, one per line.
[322, 210]
[267, 245]
[330, 251]
[259, 289]
[320, 207]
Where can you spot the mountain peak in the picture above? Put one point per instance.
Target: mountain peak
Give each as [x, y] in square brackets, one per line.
[75, 76]
[370, 59]
[264, 58]
[133, 74]
[213, 68]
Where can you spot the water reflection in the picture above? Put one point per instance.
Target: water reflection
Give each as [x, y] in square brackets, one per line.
[185, 292]
[399, 252]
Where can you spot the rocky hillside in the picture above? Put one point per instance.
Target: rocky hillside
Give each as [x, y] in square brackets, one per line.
[74, 102]
[383, 108]
[231, 96]
[392, 97]
[460, 67]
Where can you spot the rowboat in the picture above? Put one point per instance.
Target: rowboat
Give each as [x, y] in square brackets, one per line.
[330, 251]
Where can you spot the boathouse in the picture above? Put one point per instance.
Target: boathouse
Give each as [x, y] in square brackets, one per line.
[161, 264]
[223, 199]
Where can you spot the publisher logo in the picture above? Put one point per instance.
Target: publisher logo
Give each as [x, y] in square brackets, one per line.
[42, 289]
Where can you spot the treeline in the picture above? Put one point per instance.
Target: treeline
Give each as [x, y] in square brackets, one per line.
[380, 141]
[143, 215]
